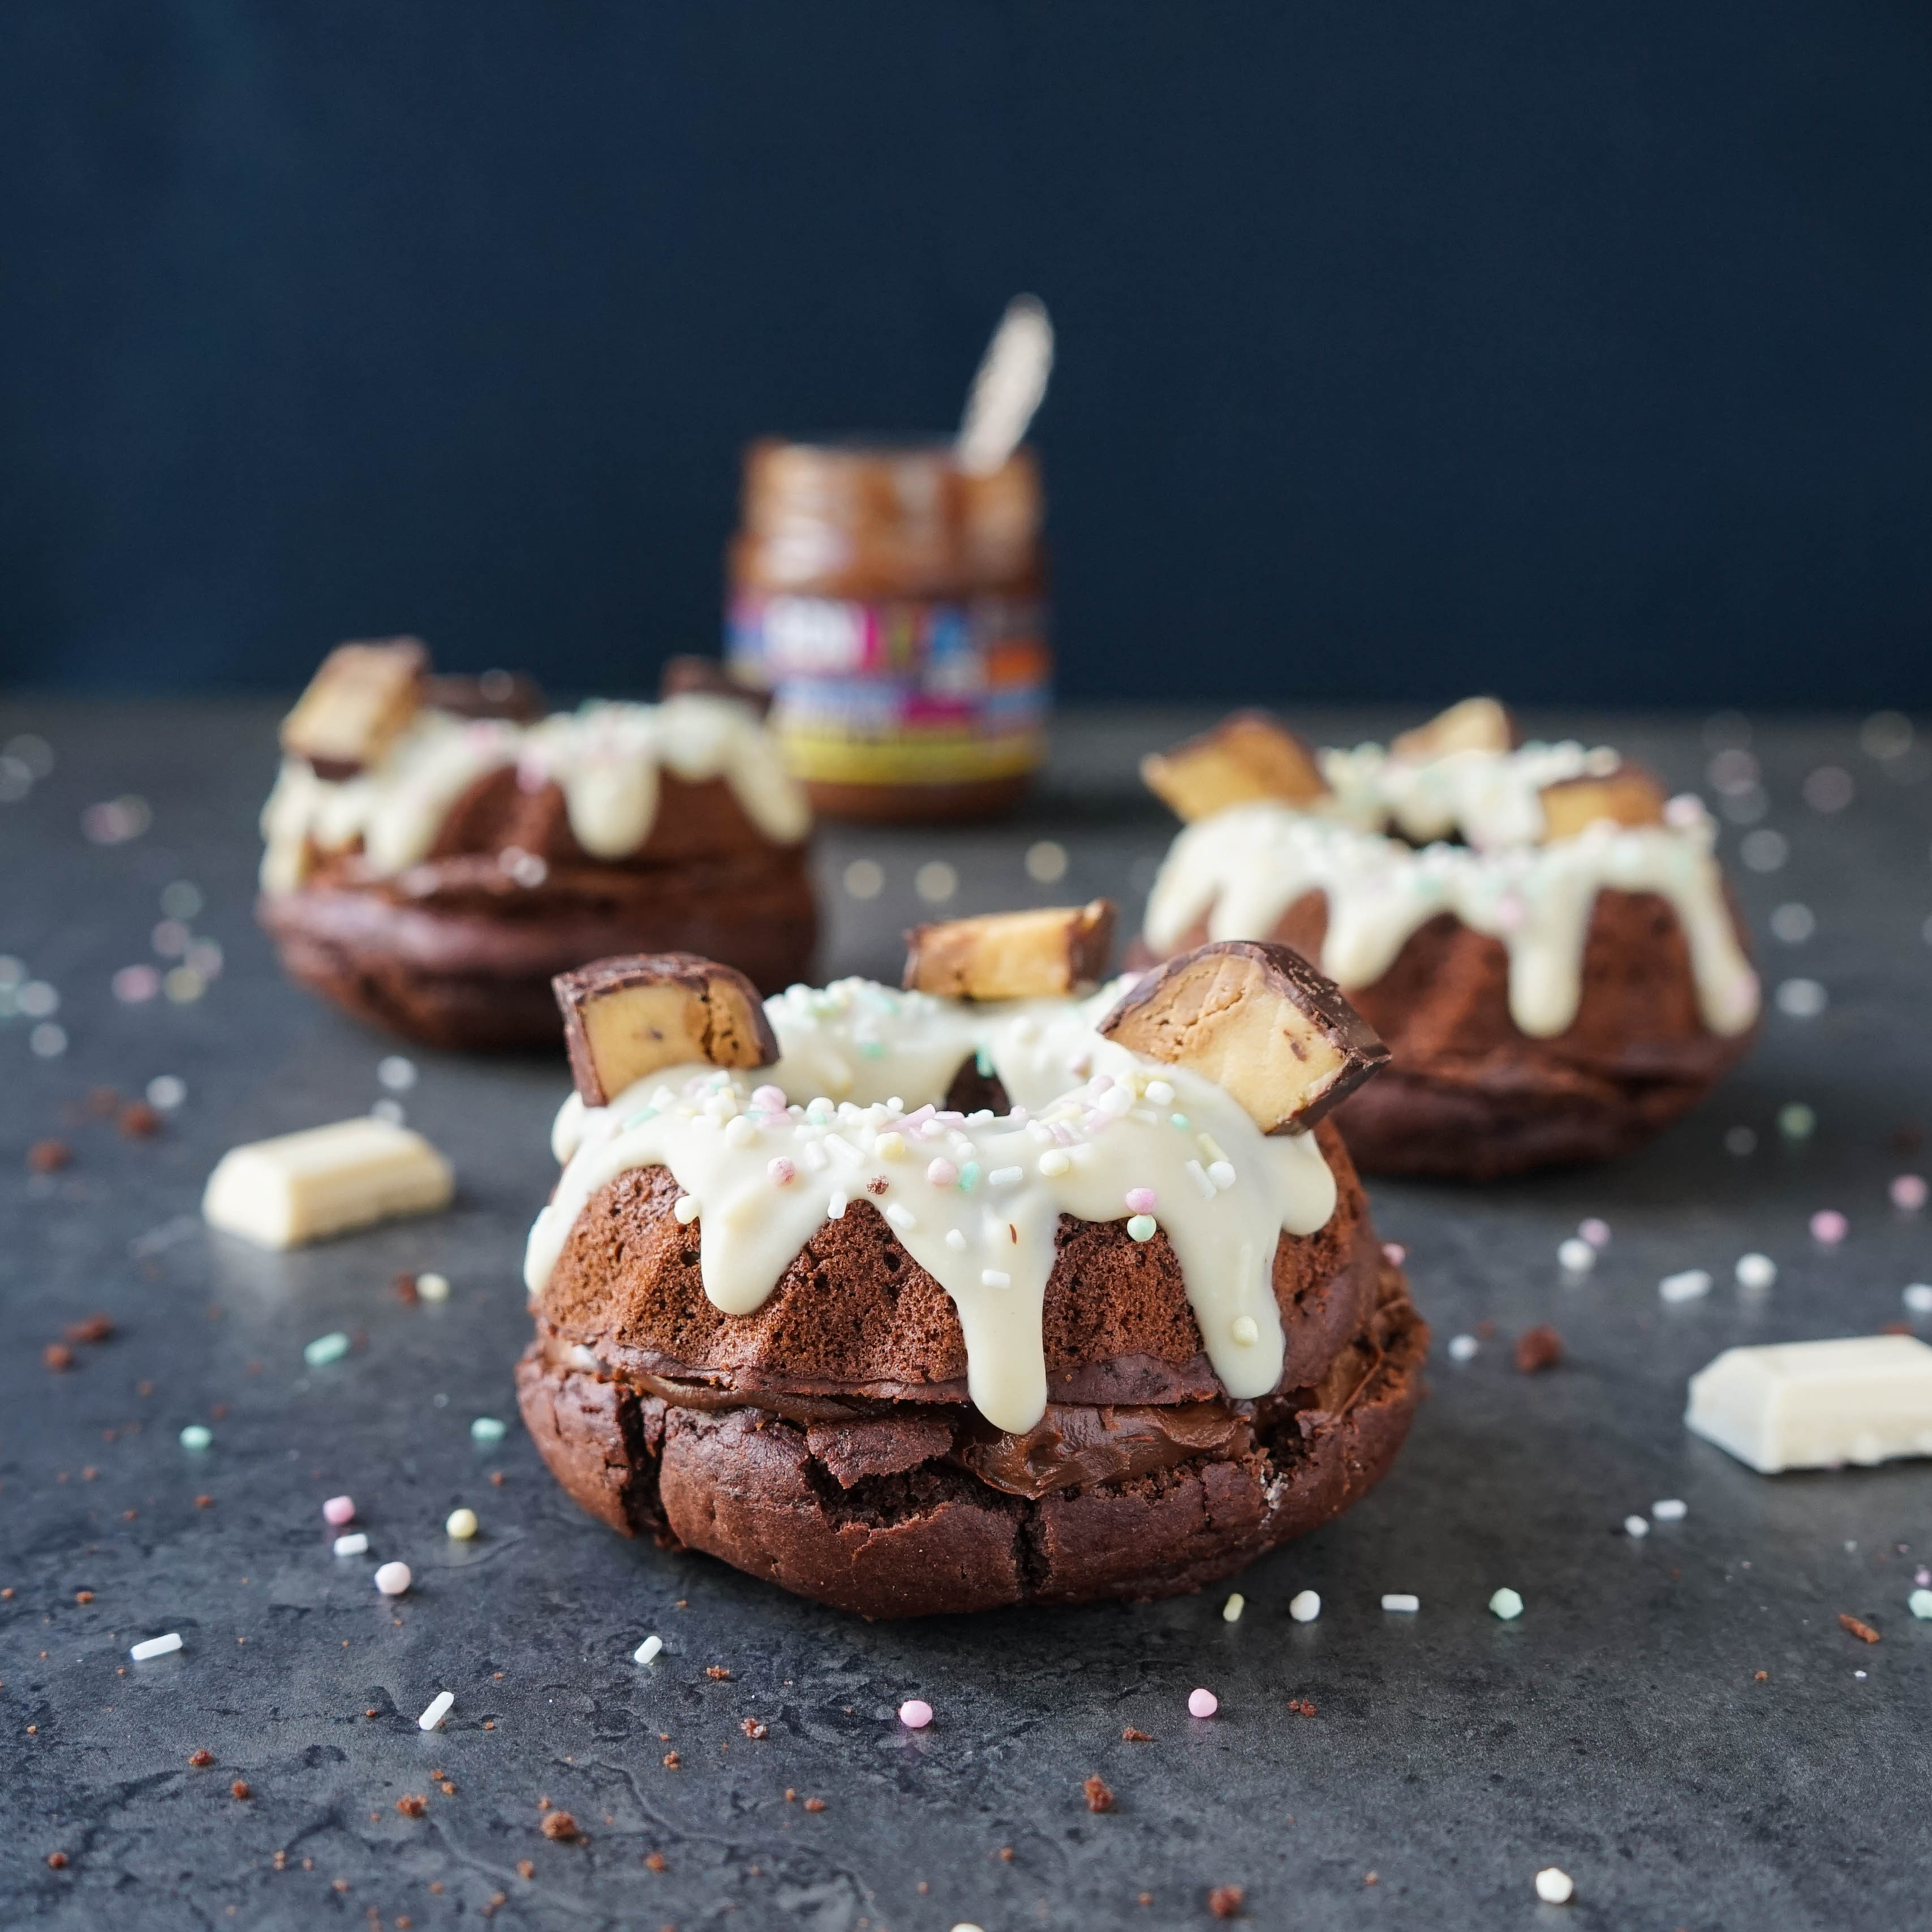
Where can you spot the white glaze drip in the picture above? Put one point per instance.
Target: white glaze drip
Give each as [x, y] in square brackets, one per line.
[605, 757]
[1241, 869]
[982, 1220]
[1492, 799]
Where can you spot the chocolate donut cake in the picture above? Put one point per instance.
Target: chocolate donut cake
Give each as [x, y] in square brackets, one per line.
[1117, 1338]
[432, 863]
[1546, 944]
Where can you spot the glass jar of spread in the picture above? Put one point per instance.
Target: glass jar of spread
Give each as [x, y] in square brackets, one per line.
[895, 606]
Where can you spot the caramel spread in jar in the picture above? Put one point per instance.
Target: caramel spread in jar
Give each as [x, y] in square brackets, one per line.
[895, 606]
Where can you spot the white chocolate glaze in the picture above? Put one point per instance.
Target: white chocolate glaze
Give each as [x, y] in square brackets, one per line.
[975, 1200]
[605, 758]
[1241, 869]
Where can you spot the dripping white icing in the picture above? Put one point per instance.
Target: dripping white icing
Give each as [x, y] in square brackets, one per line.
[975, 1200]
[605, 758]
[1241, 869]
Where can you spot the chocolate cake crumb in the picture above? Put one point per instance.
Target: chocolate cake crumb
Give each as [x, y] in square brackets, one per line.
[404, 1286]
[95, 1328]
[1099, 1798]
[560, 1826]
[1536, 1348]
[1131, 1736]
[1302, 1707]
[656, 1861]
[526, 1868]
[1225, 1901]
[752, 1728]
[48, 1157]
[718, 1671]
[58, 1860]
[672, 1761]
[814, 1804]
[140, 1121]
[1863, 1632]
[201, 1759]
[412, 1804]
[57, 1356]
[239, 1789]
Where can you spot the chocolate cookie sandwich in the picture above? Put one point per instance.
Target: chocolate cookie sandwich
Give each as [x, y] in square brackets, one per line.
[1544, 940]
[805, 1303]
[437, 853]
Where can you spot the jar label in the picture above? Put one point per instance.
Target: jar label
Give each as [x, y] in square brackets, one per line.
[906, 691]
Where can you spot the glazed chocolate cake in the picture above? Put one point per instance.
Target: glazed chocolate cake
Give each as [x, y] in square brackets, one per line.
[1112, 1339]
[436, 853]
[1546, 944]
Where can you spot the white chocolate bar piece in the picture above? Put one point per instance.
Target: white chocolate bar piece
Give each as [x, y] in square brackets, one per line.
[1815, 1405]
[302, 1187]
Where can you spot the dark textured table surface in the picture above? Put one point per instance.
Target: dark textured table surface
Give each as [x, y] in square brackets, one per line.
[1679, 1722]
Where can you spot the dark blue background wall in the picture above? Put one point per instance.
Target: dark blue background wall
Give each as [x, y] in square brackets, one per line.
[1583, 352]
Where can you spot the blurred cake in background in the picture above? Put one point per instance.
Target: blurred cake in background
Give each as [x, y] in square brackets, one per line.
[437, 850]
[1544, 940]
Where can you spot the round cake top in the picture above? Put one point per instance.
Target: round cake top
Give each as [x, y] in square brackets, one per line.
[1515, 840]
[851, 1110]
[604, 757]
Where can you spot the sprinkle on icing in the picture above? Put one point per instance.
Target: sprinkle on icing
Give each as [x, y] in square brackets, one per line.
[605, 758]
[1241, 869]
[1060, 1151]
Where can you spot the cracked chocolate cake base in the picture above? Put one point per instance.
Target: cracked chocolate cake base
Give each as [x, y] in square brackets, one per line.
[826, 1442]
[914, 1529]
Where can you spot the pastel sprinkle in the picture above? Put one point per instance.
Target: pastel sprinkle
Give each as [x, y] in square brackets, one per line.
[1507, 1604]
[1756, 1272]
[969, 1177]
[781, 1172]
[1202, 1703]
[1402, 1603]
[1178, 1121]
[1687, 1286]
[439, 1707]
[486, 1429]
[1576, 1256]
[1917, 1296]
[648, 1650]
[1231, 1611]
[686, 1209]
[1222, 1173]
[1671, 1509]
[1141, 1200]
[1463, 1348]
[1142, 1227]
[1637, 1528]
[1245, 1330]
[1006, 1176]
[955, 1240]
[1920, 1604]
[1304, 1606]
[1596, 1232]
[339, 1510]
[432, 1287]
[1829, 1227]
[902, 1216]
[769, 1100]
[1909, 1193]
[393, 1578]
[915, 1714]
[155, 1646]
[890, 1146]
[995, 1278]
[942, 1173]
[461, 1524]
[1053, 1163]
[194, 1436]
[354, 1544]
[326, 1348]
[1554, 1887]
[1196, 1173]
